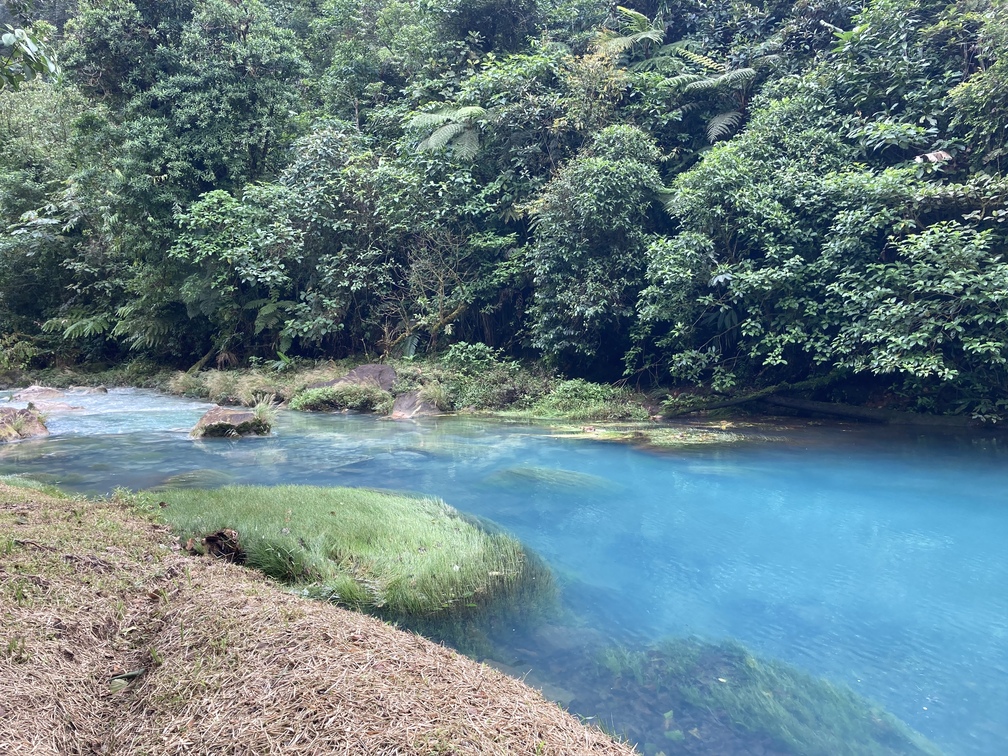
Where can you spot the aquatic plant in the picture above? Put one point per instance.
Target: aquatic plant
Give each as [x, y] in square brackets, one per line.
[534, 475]
[688, 682]
[396, 555]
[652, 435]
[349, 396]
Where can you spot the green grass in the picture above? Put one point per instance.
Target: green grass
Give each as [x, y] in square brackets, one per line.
[347, 397]
[802, 714]
[396, 555]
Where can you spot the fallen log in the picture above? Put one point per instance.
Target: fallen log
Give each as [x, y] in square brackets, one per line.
[869, 414]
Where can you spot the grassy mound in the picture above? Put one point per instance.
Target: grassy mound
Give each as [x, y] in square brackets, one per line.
[400, 556]
[346, 397]
[113, 642]
[689, 688]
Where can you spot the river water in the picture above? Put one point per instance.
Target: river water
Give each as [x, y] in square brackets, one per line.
[875, 559]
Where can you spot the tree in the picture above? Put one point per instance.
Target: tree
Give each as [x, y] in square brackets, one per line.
[592, 225]
[23, 57]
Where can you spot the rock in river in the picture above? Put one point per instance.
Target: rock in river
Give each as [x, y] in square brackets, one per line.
[16, 424]
[410, 405]
[34, 393]
[227, 422]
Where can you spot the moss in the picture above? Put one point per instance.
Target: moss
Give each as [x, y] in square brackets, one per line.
[351, 396]
[792, 710]
[651, 435]
[396, 555]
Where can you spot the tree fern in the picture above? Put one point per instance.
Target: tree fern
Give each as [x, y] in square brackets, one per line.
[636, 29]
[450, 126]
[722, 125]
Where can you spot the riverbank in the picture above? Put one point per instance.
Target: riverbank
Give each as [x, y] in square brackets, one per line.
[113, 640]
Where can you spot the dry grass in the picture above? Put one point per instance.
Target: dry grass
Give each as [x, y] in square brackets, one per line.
[227, 662]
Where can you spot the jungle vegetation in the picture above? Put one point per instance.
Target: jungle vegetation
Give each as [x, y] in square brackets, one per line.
[717, 194]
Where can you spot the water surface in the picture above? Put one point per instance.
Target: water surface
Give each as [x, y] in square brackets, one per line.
[876, 559]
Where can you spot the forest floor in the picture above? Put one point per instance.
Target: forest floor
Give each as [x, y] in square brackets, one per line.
[114, 641]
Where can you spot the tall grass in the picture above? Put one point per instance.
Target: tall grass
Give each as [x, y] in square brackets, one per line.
[396, 555]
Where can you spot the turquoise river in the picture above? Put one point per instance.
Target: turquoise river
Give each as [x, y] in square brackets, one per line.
[875, 559]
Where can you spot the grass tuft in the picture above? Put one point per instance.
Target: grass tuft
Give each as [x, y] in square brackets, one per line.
[396, 555]
[350, 396]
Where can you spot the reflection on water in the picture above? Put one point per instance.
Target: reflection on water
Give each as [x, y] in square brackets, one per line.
[876, 561]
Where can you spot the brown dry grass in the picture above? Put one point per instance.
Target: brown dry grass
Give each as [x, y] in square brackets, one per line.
[90, 592]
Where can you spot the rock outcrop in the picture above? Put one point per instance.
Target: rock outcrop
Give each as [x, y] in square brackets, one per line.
[225, 422]
[17, 424]
[34, 393]
[410, 405]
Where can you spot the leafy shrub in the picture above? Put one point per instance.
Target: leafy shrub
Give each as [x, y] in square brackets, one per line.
[581, 400]
[479, 377]
[350, 396]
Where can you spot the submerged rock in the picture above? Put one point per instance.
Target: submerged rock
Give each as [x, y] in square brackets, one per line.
[90, 389]
[203, 478]
[33, 393]
[382, 376]
[16, 424]
[548, 477]
[230, 423]
[411, 404]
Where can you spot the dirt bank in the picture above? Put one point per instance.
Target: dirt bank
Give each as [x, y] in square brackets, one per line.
[113, 642]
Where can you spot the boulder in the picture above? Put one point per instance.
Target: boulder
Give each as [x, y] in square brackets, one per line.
[382, 376]
[33, 393]
[16, 424]
[410, 405]
[50, 407]
[90, 389]
[227, 422]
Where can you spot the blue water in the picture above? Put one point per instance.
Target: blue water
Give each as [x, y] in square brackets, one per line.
[875, 559]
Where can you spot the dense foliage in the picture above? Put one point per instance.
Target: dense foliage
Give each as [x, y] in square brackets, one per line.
[720, 194]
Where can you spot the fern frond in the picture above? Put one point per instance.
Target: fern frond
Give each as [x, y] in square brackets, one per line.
[703, 84]
[468, 112]
[684, 80]
[621, 43]
[442, 136]
[701, 60]
[722, 125]
[467, 144]
[430, 120]
[737, 77]
[634, 20]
